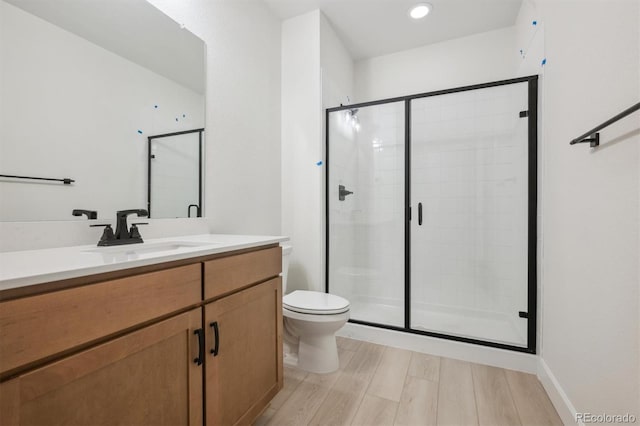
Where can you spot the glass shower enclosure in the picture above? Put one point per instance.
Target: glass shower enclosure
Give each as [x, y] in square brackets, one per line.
[431, 212]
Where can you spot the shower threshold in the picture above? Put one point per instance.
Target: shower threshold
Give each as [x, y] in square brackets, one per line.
[481, 325]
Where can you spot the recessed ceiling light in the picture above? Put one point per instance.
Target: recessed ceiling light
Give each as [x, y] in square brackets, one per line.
[420, 10]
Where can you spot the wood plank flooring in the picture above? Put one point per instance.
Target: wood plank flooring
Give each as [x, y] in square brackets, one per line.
[380, 385]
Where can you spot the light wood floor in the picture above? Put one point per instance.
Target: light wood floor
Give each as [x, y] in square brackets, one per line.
[380, 385]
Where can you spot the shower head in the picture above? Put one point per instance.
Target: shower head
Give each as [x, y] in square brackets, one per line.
[351, 117]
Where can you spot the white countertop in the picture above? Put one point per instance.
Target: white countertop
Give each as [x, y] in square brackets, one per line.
[29, 267]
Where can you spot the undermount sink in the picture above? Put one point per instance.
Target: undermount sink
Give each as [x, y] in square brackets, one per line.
[144, 248]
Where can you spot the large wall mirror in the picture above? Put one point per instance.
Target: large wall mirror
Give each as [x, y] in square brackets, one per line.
[109, 95]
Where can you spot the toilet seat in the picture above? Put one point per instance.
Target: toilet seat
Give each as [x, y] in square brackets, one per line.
[315, 303]
[312, 318]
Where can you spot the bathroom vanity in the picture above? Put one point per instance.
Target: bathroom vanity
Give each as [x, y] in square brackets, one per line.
[164, 333]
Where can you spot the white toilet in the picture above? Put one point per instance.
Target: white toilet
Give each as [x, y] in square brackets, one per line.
[311, 320]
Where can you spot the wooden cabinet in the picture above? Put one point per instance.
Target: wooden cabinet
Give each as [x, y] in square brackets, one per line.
[146, 377]
[244, 353]
[137, 349]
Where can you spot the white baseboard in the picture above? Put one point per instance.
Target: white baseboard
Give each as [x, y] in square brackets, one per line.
[558, 397]
[511, 360]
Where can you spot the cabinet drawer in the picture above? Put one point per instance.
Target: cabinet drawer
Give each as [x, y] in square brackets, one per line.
[228, 274]
[41, 326]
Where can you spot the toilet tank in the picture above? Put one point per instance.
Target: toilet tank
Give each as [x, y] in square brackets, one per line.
[286, 256]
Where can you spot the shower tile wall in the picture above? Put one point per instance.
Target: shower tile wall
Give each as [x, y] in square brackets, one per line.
[343, 157]
[469, 169]
[380, 225]
[367, 257]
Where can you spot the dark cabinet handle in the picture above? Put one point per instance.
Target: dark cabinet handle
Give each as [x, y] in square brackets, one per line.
[200, 333]
[419, 214]
[216, 338]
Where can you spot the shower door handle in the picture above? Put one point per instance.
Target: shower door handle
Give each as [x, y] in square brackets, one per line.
[419, 214]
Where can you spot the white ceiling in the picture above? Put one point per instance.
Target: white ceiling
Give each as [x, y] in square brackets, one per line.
[371, 28]
[133, 29]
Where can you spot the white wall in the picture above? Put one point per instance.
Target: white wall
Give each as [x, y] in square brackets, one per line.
[73, 109]
[337, 68]
[302, 148]
[468, 60]
[317, 72]
[243, 129]
[590, 339]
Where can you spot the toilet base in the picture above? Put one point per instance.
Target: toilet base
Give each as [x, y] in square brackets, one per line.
[315, 355]
[290, 359]
[318, 354]
[311, 345]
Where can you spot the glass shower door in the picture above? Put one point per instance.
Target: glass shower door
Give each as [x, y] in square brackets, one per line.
[469, 194]
[366, 210]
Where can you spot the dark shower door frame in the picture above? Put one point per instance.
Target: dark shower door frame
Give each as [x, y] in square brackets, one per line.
[149, 163]
[532, 188]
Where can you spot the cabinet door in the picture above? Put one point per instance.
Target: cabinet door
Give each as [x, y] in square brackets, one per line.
[147, 377]
[246, 371]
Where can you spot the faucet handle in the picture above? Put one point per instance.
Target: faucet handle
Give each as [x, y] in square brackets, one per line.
[107, 235]
[134, 232]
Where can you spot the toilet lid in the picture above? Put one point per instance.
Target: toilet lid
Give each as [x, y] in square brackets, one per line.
[314, 302]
